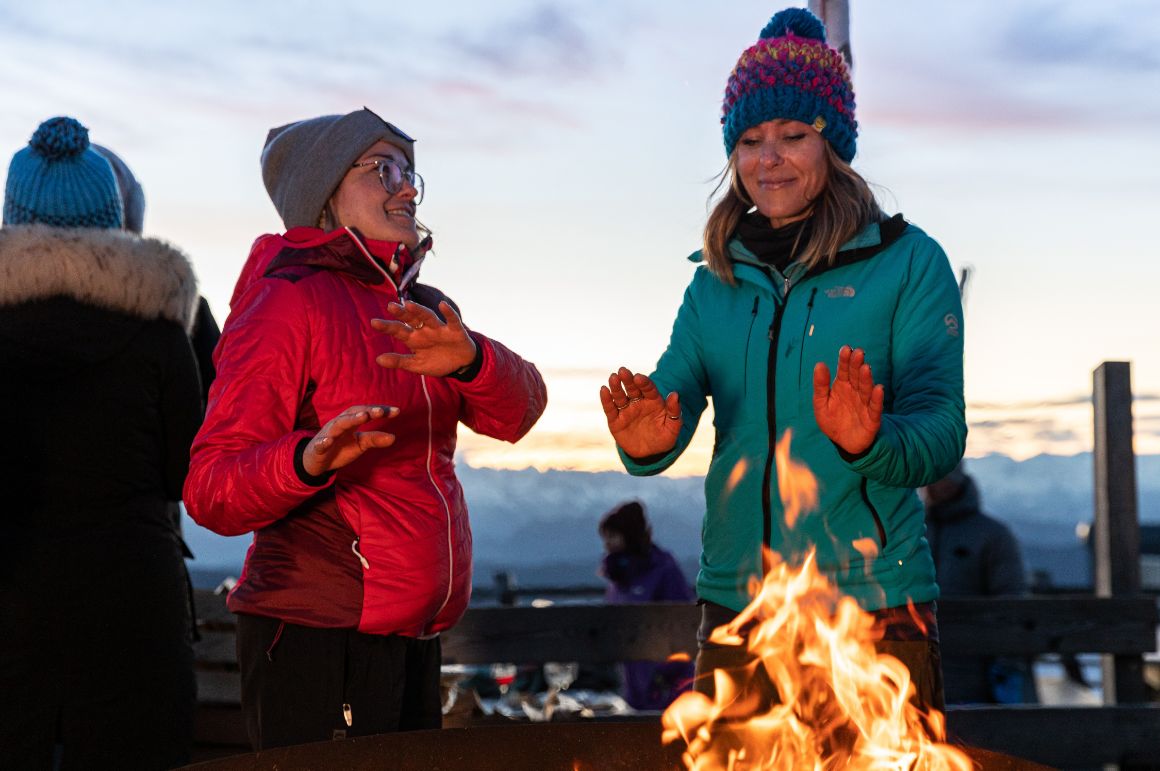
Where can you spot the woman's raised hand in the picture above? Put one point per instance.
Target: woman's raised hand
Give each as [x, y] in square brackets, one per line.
[849, 412]
[641, 422]
[437, 348]
[339, 442]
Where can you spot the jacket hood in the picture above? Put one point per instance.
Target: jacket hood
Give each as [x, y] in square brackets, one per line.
[109, 269]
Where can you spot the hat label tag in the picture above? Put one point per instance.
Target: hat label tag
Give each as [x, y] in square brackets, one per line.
[819, 123]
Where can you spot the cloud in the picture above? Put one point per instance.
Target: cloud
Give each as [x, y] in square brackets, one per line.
[1049, 35]
[1054, 68]
[545, 42]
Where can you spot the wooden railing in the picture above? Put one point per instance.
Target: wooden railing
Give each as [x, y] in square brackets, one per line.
[594, 634]
[1120, 623]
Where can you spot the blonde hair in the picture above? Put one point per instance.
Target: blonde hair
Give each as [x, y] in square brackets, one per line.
[845, 206]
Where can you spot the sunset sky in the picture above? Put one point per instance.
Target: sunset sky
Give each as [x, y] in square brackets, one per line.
[569, 149]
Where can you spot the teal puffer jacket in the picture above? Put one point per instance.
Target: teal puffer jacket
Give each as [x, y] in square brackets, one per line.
[752, 348]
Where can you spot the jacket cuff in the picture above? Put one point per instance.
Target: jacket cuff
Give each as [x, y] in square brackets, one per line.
[852, 458]
[300, 467]
[467, 373]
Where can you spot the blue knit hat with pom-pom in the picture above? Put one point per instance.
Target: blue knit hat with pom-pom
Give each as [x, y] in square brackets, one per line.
[60, 180]
[791, 73]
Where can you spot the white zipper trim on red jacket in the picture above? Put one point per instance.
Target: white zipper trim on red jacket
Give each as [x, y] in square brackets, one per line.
[446, 505]
[371, 259]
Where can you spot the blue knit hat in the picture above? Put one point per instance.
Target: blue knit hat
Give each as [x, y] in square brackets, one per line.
[60, 180]
[791, 73]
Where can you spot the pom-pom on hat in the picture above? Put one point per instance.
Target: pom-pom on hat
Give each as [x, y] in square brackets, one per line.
[304, 162]
[791, 73]
[60, 180]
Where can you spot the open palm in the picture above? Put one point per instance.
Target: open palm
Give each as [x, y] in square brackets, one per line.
[641, 422]
[848, 411]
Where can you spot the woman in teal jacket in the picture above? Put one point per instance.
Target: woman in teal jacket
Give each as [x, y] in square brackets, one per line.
[800, 267]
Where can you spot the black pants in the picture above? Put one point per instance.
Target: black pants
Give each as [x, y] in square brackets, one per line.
[921, 657]
[303, 684]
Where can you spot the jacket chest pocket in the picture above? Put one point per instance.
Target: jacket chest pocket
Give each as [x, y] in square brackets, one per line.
[830, 318]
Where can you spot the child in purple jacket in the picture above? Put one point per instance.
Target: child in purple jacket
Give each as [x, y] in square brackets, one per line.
[638, 570]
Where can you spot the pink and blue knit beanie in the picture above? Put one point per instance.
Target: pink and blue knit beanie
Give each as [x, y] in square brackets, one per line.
[791, 73]
[59, 180]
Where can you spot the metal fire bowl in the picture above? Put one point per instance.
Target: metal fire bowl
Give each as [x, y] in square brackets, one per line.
[578, 746]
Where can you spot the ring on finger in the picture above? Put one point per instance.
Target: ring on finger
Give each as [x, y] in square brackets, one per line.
[619, 407]
[673, 417]
[632, 399]
[418, 326]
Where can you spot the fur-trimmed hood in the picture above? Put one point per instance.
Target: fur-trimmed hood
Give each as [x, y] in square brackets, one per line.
[110, 269]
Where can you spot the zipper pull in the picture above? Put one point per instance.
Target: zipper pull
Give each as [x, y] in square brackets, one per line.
[366, 565]
[347, 715]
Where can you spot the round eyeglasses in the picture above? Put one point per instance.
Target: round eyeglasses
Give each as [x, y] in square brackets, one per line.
[392, 176]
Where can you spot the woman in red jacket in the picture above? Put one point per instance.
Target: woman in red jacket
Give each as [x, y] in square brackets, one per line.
[332, 438]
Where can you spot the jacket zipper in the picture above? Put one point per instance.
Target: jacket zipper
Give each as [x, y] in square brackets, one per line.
[745, 360]
[873, 512]
[805, 335]
[771, 418]
[439, 492]
[375, 263]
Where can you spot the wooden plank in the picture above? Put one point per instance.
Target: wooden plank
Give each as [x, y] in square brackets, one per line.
[584, 633]
[603, 633]
[215, 686]
[1063, 737]
[212, 612]
[216, 650]
[1057, 624]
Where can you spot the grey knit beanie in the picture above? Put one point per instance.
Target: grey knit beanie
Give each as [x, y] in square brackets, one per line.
[132, 195]
[304, 162]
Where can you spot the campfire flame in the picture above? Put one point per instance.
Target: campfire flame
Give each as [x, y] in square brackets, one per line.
[841, 703]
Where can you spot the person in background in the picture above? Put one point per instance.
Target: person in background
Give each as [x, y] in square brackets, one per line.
[205, 333]
[803, 271]
[100, 402]
[331, 437]
[637, 570]
[975, 556]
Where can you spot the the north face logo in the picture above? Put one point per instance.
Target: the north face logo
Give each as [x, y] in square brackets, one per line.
[952, 322]
[835, 292]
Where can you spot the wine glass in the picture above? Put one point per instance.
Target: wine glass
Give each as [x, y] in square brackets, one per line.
[560, 674]
[504, 675]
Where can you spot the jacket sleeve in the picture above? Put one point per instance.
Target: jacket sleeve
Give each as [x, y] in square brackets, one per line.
[673, 587]
[204, 337]
[506, 397]
[242, 475]
[181, 410]
[679, 369]
[924, 429]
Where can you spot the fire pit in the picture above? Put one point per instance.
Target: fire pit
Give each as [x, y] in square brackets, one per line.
[580, 746]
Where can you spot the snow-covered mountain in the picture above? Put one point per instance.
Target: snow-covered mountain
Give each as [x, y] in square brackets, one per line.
[541, 525]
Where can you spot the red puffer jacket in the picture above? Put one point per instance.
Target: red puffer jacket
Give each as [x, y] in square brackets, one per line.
[384, 544]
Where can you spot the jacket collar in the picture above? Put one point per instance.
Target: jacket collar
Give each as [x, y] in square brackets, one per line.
[346, 250]
[112, 269]
[866, 243]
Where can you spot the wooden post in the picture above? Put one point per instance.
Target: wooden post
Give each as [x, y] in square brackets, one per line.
[1117, 527]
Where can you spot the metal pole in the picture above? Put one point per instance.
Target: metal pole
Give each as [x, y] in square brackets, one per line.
[835, 14]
